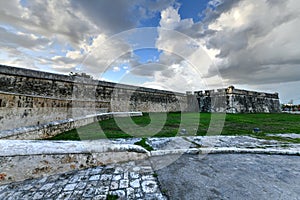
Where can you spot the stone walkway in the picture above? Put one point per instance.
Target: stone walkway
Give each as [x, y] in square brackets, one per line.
[126, 181]
[176, 168]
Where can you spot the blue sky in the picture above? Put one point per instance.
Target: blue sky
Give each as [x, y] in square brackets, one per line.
[178, 45]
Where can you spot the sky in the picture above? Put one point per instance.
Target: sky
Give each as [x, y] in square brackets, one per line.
[179, 45]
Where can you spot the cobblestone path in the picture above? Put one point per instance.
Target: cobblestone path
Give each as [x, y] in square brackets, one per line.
[127, 181]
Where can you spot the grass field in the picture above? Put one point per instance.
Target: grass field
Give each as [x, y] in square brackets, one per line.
[172, 124]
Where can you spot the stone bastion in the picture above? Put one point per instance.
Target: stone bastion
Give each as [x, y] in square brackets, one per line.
[38, 105]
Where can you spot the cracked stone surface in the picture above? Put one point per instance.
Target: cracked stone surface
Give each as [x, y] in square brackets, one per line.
[128, 181]
[232, 176]
[187, 142]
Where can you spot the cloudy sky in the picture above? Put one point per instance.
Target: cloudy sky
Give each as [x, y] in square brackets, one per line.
[178, 45]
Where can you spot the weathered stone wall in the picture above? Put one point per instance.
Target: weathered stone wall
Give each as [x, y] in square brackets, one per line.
[32, 98]
[29, 98]
[233, 100]
[26, 159]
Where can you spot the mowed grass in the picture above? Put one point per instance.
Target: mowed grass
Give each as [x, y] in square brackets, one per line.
[178, 124]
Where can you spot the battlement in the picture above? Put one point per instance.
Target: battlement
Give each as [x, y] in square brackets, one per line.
[33, 97]
[233, 90]
[234, 100]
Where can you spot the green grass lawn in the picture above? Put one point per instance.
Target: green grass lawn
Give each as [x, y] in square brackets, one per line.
[169, 125]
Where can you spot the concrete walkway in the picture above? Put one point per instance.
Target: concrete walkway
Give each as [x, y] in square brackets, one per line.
[232, 176]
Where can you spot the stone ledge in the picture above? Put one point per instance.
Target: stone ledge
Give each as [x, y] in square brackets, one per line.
[20, 160]
[224, 150]
[41, 147]
[15, 71]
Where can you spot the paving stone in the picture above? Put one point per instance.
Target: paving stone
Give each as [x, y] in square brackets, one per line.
[38, 195]
[3, 195]
[77, 194]
[134, 175]
[119, 170]
[135, 183]
[138, 193]
[74, 179]
[99, 197]
[104, 183]
[89, 192]
[16, 195]
[105, 177]
[27, 187]
[27, 195]
[80, 185]
[123, 184]
[114, 185]
[125, 175]
[52, 193]
[47, 186]
[43, 180]
[102, 191]
[53, 177]
[136, 169]
[148, 177]
[61, 183]
[96, 170]
[149, 186]
[55, 190]
[117, 177]
[155, 196]
[94, 178]
[84, 178]
[64, 195]
[70, 187]
[3, 187]
[130, 193]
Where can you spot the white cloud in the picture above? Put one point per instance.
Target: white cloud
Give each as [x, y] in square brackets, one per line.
[258, 42]
[170, 19]
[74, 27]
[252, 43]
[183, 78]
[185, 62]
[116, 69]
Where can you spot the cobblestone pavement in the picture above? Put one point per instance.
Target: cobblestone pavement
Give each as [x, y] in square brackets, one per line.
[128, 181]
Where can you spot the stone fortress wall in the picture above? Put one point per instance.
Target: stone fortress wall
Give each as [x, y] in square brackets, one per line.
[31, 98]
[232, 100]
[38, 105]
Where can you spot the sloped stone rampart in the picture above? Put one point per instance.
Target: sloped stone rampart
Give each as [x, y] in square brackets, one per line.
[31, 98]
